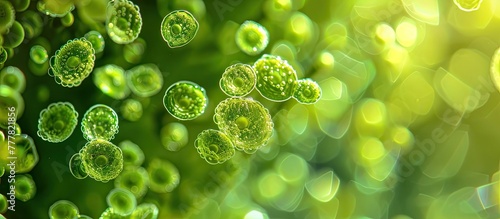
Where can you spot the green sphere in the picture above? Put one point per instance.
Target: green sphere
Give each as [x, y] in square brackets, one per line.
[110, 79]
[3, 55]
[55, 8]
[163, 176]
[178, 28]
[76, 167]
[307, 92]
[185, 100]
[26, 153]
[25, 187]
[3, 204]
[238, 80]
[276, 79]
[102, 160]
[131, 110]
[10, 99]
[145, 80]
[14, 36]
[122, 201]
[63, 209]
[7, 16]
[68, 19]
[252, 38]
[132, 153]
[14, 78]
[133, 179]
[214, 146]
[96, 39]
[123, 21]
[57, 122]
[72, 63]
[145, 211]
[38, 54]
[100, 122]
[174, 136]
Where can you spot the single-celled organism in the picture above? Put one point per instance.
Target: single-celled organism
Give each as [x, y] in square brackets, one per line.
[3, 204]
[25, 187]
[32, 23]
[3, 55]
[13, 77]
[276, 79]
[25, 152]
[14, 36]
[55, 8]
[100, 122]
[63, 209]
[102, 160]
[252, 38]
[96, 39]
[307, 91]
[68, 19]
[238, 80]
[57, 122]
[247, 123]
[76, 167]
[110, 79]
[134, 179]
[38, 54]
[163, 176]
[123, 21]
[132, 52]
[111, 213]
[174, 136]
[7, 16]
[214, 146]
[144, 80]
[131, 110]
[145, 211]
[122, 201]
[132, 153]
[72, 63]
[11, 102]
[185, 100]
[178, 28]
[468, 5]
[21, 5]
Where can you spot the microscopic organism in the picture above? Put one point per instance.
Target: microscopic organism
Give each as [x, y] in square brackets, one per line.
[13, 77]
[100, 122]
[3, 204]
[163, 176]
[14, 36]
[178, 28]
[110, 79]
[132, 153]
[276, 79]
[55, 8]
[96, 39]
[11, 101]
[252, 38]
[307, 91]
[25, 151]
[7, 16]
[174, 136]
[25, 187]
[76, 167]
[131, 110]
[68, 19]
[238, 80]
[122, 201]
[185, 100]
[134, 179]
[144, 80]
[102, 160]
[145, 210]
[57, 122]
[72, 63]
[3, 55]
[123, 21]
[38, 54]
[214, 146]
[63, 209]
[468, 5]
[132, 52]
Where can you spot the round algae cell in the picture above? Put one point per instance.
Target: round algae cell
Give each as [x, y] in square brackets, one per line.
[26, 153]
[252, 38]
[13, 77]
[11, 101]
[25, 187]
[214, 146]
[7, 16]
[14, 36]
[132, 153]
[468, 5]
[55, 8]
[495, 69]
[131, 110]
[174, 136]
[102, 160]
[38, 54]
[246, 121]
[76, 167]
[307, 92]
[163, 176]
[3, 204]
[63, 209]
[3, 54]
[145, 211]
[72, 63]
[96, 39]
[100, 122]
[57, 122]
[178, 28]
[276, 79]
[133, 179]
[123, 21]
[185, 100]
[110, 79]
[122, 201]
[145, 80]
[238, 80]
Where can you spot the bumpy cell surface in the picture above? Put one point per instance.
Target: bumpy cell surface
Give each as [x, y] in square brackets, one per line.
[3, 55]
[102, 160]
[252, 38]
[468, 5]
[276, 79]
[63, 209]
[178, 28]
[163, 176]
[96, 39]
[133, 179]
[76, 167]
[214, 146]
[25, 187]
[307, 91]
[57, 122]
[123, 21]
[145, 80]
[72, 63]
[122, 201]
[238, 80]
[100, 122]
[110, 79]
[185, 100]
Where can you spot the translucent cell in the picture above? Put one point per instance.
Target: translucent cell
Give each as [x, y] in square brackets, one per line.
[25, 187]
[238, 80]
[132, 153]
[76, 167]
[102, 160]
[21, 5]
[32, 23]
[252, 38]
[14, 36]
[246, 121]
[100, 122]
[495, 69]
[185, 100]
[122, 201]
[96, 39]
[131, 110]
[110, 213]
[110, 79]
[145, 211]
[174, 136]
[178, 28]
[3, 55]
[72, 63]
[63, 209]
[3, 204]
[133, 179]
[123, 21]
[25, 152]
[10, 98]
[468, 5]
[145, 80]
[132, 52]
[276, 79]
[55, 8]
[38, 54]
[7, 16]
[214, 146]
[13, 77]
[307, 92]
[163, 176]
[57, 122]
[68, 19]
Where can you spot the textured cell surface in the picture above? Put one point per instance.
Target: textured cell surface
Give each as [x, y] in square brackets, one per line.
[214, 146]
[163, 176]
[123, 21]
[55, 8]
[174, 136]
[178, 28]
[307, 91]
[72, 63]
[110, 79]
[13, 77]
[7, 16]
[100, 122]
[245, 121]
[131, 110]
[102, 160]
[3, 55]
[26, 153]
[133, 179]
[252, 38]
[276, 79]
[132, 153]
[63, 209]
[145, 211]
[38, 54]
[145, 80]
[25, 187]
[185, 100]
[57, 122]
[238, 80]
[76, 167]
[122, 201]
[468, 5]
[96, 39]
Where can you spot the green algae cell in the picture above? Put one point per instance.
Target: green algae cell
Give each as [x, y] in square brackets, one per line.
[174, 136]
[32, 23]
[144, 80]
[133, 179]
[57, 122]
[214, 146]
[102, 160]
[276, 79]
[14, 36]
[132, 52]
[26, 153]
[3, 204]
[76, 167]
[307, 92]
[63, 209]
[122, 201]
[13, 77]
[110, 79]
[238, 80]
[55, 8]
[468, 5]
[131, 110]
[132, 153]
[163, 176]
[72, 63]
[38, 54]
[145, 211]
[252, 38]
[185, 100]
[7, 16]
[25, 187]
[9, 98]
[96, 39]
[123, 21]
[100, 122]
[245, 121]
[68, 19]
[178, 28]
[3, 55]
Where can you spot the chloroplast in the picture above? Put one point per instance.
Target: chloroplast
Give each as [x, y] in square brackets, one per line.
[96, 39]
[123, 21]
[122, 201]
[238, 80]
[185, 100]
[163, 176]
[214, 146]
[132, 153]
[174, 136]
[13, 77]
[57, 122]
[38, 54]
[25, 187]
[63, 209]
[110, 79]
[145, 80]
[72, 63]
[252, 38]
[102, 160]
[276, 79]
[76, 167]
[100, 122]
[133, 179]
[178, 28]
[307, 92]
